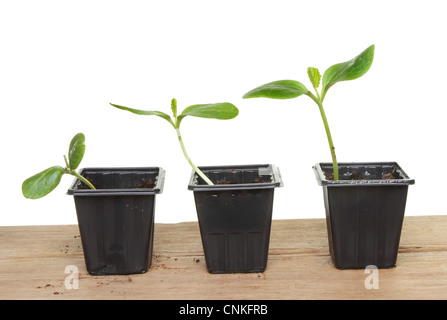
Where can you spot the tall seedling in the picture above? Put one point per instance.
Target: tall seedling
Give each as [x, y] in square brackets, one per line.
[288, 89]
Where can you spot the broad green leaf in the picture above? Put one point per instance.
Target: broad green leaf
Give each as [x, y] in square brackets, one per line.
[314, 76]
[222, 111]
[76, 151]
[145, 113]
[348, 70]
[42, 183]
[282, 89]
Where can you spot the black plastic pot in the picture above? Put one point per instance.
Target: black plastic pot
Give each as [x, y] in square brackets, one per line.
[364, 217]
[116, 221]
[235, 218]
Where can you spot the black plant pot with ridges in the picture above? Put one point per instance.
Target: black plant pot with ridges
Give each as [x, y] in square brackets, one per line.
[116, 221]
[235, 216]
[364, 217]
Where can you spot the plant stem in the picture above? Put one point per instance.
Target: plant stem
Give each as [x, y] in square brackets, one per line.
[331, 144]
[328, 133]
[196, 169]
[66, 162]
[77, 175]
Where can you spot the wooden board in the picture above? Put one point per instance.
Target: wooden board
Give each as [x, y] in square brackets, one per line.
[33, 261]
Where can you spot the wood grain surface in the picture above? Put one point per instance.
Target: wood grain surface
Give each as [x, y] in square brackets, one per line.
[33, 262]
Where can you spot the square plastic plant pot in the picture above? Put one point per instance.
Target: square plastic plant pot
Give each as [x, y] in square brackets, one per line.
[235, 215]
[364, 215]
[116, 221]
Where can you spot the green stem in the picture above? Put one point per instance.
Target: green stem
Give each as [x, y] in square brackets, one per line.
[74, 173]
[77, 175]
[196, 169]
[328, 133]
[66, 162]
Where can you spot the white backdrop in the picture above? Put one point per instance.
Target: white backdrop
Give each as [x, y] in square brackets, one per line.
[62, 62]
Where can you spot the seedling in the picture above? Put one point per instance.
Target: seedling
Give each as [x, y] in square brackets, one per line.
[44, 182]
[288, 89]
[221, 111]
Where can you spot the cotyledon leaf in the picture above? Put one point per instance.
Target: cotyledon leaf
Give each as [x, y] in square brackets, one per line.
[76, 151]
[42, 183]
[282, 89]
[222, 111]
[349, 70]
[145, 113]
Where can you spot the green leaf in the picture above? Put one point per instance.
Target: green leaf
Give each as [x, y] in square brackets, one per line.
[348, 70]
[221, 111]
[314, 76]
[145, 113]
[282, 89]
[174, 107]
[42, 183]
[76, 151]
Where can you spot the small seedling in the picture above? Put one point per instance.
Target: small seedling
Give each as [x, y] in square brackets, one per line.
[221, 111]
[46, 181]
[288, 89]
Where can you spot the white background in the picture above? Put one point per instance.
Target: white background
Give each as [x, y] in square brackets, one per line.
[62, 62]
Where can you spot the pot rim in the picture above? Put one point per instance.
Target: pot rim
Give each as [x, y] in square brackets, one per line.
[322, 181]
[263, 169]
[117, 192]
